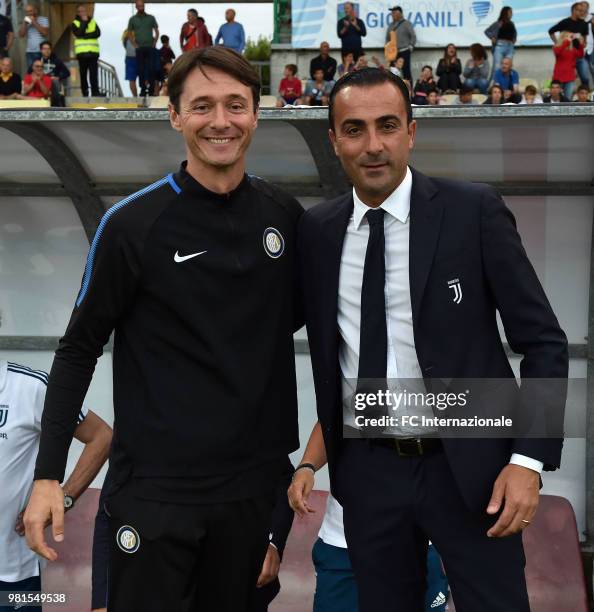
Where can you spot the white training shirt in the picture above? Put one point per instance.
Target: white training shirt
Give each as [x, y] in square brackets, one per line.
[22, 394]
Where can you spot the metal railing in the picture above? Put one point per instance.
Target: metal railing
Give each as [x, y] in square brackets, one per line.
[109, 82]
[263, 69]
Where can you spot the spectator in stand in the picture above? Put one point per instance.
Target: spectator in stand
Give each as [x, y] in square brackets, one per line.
[131, 71]
[576, 25]
[432, 98]
[86, 34]
[589, 50]
[348, 63]
[325, 62]
[477, 69]
[509, 80]
[194, 34]
[464, 96]
[556, 95]
[531, 96]
[289, 90]
[449, 70]
[231, 33]
[503, 35]
[351, 30]
[495, 95]
[397, 67]
[146, 34]
[6, 36]
[37, 84]
[583, 94]
[406, 39]
[166, 54]
[317, 90]
[55, 68]
[10, 82]
[36, 29]
[568, 50]
[423, 86]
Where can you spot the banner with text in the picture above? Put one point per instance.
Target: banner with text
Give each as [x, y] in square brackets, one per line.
[436, 22]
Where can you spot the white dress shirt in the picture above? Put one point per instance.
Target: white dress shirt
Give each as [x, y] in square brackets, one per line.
[402, 361]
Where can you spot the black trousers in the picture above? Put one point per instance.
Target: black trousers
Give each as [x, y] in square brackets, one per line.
[146, 72]
[88, 64]
[406, 68]
[392, 506]
[184, 557]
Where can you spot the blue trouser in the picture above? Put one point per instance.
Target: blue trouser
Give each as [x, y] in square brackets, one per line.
[336, 589]
[583, 70]
[481, 84]
[502, 49]
[31, 56]
[29, 584]
[568, 89]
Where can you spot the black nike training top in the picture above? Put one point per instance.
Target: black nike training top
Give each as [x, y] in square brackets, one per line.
[199, 288]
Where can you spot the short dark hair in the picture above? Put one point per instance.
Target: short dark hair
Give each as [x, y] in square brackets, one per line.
[556, 82]
[226, 60]
[583, 88]
[164, 38]
[575, 5]
[427, 66]
[465, 90]
[194, 12]
[368, 77]
[292, 68]
[531, 89]
[45, 42]
[477, 51]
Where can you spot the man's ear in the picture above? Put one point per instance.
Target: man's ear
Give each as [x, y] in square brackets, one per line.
[332, 137]
[174, 118]
[256, 116]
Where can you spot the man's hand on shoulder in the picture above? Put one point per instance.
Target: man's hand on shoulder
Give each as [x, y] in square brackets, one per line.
[516, 490]
[46, 504]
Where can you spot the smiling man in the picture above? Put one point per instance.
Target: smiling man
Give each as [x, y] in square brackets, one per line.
[195, 275]
[377, 266]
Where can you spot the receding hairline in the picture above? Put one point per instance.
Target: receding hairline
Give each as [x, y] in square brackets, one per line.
[371, 86]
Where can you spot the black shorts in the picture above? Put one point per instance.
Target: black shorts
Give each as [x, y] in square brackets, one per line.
[168, 557]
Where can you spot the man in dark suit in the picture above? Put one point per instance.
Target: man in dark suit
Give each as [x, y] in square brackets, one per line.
[402, 278]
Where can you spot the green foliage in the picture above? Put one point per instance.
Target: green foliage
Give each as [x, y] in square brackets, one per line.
[259, 50]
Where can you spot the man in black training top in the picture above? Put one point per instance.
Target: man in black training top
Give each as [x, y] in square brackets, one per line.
[195, 275]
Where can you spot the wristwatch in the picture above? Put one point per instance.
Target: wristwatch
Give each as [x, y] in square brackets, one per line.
[68, 502]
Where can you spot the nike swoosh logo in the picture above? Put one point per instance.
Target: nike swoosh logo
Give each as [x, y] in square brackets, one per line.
[179, 258]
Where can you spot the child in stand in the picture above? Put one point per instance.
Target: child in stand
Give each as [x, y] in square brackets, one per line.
[289, 90]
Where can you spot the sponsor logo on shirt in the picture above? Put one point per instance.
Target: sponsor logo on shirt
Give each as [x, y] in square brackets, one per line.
[3, 414]
[274, 243]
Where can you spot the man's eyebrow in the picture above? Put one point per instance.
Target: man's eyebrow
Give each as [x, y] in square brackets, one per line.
[210, 98]
[361, 122]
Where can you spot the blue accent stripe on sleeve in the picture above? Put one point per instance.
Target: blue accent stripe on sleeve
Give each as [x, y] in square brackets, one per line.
[91, 256]
[173, 184]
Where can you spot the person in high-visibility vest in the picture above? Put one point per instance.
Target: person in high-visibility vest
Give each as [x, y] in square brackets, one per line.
[86, 48]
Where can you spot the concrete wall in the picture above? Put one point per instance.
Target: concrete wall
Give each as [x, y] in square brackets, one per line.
[533, 62]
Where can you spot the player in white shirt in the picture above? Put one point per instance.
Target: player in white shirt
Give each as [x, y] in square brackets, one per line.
[22, 394]
[336, 589]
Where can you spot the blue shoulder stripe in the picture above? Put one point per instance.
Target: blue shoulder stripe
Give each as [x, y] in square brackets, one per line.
[173, 184]
[26, 373]
[91, 256]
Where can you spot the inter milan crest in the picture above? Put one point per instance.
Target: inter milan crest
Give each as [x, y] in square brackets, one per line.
[274, 243]
[128, 539]
[3, 414]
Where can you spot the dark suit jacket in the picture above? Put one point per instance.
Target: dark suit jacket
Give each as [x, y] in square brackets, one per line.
[457, 230]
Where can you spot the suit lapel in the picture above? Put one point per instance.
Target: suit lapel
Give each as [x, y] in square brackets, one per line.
[425, 221]
[333, 232]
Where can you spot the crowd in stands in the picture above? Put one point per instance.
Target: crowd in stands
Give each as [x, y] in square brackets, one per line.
[46, 74]
[490, 74]
[495, 80]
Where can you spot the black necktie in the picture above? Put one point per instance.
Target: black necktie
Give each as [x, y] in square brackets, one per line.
[373, 348]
